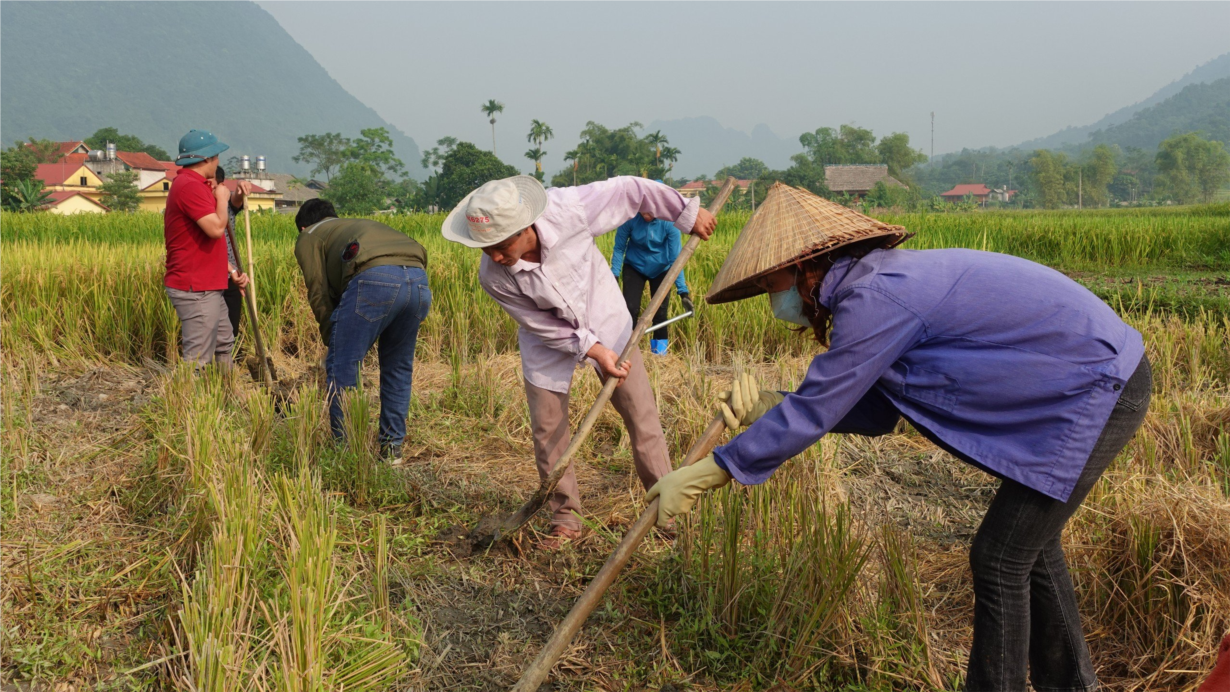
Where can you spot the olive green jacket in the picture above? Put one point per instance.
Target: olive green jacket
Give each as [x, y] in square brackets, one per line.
[331, 252]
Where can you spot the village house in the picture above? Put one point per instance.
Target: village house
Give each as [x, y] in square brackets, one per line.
[694, 188]
[294, 194]
[77, 175]
[154, 196]
[858, 179]
[73, 202]
[69, 176]
[978, 192]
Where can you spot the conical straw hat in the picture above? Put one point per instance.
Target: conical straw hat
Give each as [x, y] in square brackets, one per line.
[792, 225]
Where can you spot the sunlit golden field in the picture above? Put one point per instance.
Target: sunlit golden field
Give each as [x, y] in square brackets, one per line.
[163, 531]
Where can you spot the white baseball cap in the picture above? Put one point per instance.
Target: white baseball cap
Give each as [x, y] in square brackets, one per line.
[496, 211]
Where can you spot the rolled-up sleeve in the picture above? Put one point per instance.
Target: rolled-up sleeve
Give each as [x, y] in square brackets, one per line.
[611, 202]
[871, 330]
[553, 332]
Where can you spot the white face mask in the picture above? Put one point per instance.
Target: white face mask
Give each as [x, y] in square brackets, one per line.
[788, 306]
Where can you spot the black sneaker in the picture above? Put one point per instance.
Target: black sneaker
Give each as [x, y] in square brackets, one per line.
[391, 455]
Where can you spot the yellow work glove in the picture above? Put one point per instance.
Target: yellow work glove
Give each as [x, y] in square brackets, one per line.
[746, 401]
[679, 489]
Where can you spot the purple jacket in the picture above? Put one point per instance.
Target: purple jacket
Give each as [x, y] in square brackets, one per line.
[1007, 361]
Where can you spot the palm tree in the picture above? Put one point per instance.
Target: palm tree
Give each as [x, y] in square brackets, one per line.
[539, 133]
[29, 195]
[536, 155]
[575, 157]
[670, 155]
[492, 107]
[656, 140]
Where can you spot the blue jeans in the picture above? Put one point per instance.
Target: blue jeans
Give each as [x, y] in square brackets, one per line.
[385, 305]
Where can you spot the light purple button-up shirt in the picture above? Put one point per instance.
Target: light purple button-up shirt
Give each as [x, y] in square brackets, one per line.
[570, 300]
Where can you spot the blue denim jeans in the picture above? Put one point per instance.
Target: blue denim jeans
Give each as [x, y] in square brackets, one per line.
[383, 306]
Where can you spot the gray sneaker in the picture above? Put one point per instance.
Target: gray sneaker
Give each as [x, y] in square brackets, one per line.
[391, 455]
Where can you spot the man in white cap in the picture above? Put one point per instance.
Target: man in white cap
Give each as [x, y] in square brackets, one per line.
[542, 266]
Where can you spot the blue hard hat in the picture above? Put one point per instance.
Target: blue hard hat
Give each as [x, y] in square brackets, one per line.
[198, 145]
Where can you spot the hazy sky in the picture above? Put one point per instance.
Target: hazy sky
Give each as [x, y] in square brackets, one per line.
[994, 73]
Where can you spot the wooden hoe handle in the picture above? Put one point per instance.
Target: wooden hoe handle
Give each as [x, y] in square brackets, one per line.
[250, 297]
[537, 672]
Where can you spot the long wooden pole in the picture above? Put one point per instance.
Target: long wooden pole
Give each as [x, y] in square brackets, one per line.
[537, 671]
[251, 295]
[539, 498]
[247, 227]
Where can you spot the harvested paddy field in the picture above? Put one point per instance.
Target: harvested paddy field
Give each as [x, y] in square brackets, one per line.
[166, 531]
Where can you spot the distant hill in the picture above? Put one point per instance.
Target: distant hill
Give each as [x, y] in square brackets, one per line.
[1215, 69]
[158, 69]
[1203, 107]
[708, 146]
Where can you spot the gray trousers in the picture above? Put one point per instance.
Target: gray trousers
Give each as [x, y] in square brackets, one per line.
[636, 405]
[205, 326]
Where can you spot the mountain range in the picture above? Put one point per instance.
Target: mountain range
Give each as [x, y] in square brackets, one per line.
[159, 69]
[708, 145]
[1216, 69]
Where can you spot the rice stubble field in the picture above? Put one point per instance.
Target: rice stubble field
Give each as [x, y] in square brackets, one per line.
[166, 531]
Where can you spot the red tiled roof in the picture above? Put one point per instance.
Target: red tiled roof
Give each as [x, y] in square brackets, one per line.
[139, 159]
[975, 189]
[59, 196]
[56, 173]
[75, 159]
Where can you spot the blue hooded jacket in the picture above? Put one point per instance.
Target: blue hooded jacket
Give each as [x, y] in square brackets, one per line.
[648, 247]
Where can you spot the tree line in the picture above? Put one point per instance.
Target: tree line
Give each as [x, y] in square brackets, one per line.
[1185, 168]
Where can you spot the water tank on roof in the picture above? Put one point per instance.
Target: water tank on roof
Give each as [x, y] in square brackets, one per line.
[97, 155]
[245, 163]
[260, 163]
[110, 151]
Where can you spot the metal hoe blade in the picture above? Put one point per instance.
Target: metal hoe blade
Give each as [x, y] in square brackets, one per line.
[670, 321]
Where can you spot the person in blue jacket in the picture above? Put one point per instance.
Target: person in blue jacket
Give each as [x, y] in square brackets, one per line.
[645, 248]
[1008, 365]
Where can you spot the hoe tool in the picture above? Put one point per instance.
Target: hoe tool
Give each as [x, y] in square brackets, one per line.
[249, 293]
[481, 537]
[537, 671]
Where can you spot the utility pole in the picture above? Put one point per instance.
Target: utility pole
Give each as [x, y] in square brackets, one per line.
[932, 139]
[751, 188]
[1080, 188]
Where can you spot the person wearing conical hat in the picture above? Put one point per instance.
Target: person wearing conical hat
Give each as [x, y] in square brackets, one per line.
[541, 265]
[1006, 364]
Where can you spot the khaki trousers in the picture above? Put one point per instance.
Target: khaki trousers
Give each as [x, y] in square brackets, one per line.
[205, 326]
[634, 401]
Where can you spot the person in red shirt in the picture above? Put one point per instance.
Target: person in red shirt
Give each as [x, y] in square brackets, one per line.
[194, 226]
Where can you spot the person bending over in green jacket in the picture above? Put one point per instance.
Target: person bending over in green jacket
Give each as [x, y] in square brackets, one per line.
[367, 284]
